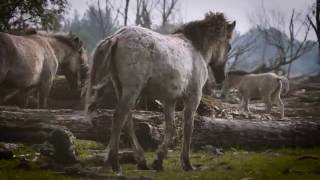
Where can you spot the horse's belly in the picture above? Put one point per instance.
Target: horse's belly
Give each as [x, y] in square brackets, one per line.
[166, 87]
[25, 74]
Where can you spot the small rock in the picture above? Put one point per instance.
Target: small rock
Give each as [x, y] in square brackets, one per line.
[6, 154]
[24, 164]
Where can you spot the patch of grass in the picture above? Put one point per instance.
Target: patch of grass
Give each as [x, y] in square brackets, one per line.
[283, 163]
[8, 170]
[30, 175]
[239, 164]
[83, 148]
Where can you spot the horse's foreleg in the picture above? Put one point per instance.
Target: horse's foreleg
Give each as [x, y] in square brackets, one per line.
[139, 153]
[169, 108]
[190, 107]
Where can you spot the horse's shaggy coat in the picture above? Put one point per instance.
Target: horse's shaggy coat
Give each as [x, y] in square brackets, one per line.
[32, 59]
[164, 67]
[268, 86]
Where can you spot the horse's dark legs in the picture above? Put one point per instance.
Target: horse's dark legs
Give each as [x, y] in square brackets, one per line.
[44, 91]
[126, 103]
[169, 108]
[190, 107]
[139, 153]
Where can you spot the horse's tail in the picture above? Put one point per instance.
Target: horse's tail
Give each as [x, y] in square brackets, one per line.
[6, 50]
[279, 88]
[100, 70]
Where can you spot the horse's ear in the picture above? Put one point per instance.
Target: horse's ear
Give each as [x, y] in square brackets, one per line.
[231, 26]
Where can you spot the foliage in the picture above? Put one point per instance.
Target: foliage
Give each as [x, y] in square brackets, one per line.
[19, 14]
[83, 146]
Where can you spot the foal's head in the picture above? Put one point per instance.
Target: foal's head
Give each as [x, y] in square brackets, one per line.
[75, 63]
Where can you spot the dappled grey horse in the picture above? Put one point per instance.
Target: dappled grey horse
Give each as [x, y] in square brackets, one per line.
[32, 59]
[165, 67]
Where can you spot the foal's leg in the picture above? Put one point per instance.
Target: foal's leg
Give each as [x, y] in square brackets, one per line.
[268, 102]
[279, 102]
[190, 107]
[126, 103]
[246, 104]
[169, 108]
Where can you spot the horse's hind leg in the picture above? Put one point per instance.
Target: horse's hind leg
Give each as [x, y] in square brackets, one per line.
[190, 107]
[126, 103]
[44, 91]
[268, 103]
[139, 153]
[162, 151]
[277, 99]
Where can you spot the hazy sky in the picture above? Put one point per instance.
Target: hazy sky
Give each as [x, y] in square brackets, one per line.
[238, 10]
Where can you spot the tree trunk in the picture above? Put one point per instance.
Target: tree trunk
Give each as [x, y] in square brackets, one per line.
[208, 131]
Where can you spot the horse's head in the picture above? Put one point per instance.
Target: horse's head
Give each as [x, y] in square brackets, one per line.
[218, 69]
[211, 37]
[232, 80]
[219, 32]
[75, 64]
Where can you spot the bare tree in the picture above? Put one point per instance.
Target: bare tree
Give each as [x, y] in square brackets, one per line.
[167, 10]
[316, 25]
[126, 12]
[272, 25]
[143, 12]
[103, 17]
[240, 47]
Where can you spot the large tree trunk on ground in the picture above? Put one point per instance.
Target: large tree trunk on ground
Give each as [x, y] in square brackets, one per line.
[208, 131]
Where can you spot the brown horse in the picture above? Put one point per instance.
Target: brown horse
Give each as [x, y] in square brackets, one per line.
[166, 67]
[31, 60]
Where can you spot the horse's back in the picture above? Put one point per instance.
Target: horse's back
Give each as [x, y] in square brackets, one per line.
[165, 63]
[260, 84]
[24, 57]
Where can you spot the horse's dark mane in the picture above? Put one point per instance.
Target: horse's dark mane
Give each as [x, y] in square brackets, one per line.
[202, 32]
[238, 72]
[70, 39]
[24, 32]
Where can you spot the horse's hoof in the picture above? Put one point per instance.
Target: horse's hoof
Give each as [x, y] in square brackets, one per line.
[116, 168]
[157, 165]
[142, 165]
[188, 168]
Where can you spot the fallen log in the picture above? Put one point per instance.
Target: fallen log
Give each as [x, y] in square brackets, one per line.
[248, 134]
